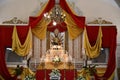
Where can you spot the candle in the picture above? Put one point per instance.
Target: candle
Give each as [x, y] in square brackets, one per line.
[35, 63]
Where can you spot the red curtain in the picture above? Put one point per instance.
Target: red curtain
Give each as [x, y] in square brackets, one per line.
[79, 20]
[3, 69]
[40, 74]
[62, 72]
[48, 71]
[61, 27]
[34, 20]
[6, 41]
[6, 35]
[70, 74]
[108, 41]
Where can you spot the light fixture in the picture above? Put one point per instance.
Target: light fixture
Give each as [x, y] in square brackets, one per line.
[56, 15]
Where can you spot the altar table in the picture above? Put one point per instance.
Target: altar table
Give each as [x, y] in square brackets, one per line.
[60, 65]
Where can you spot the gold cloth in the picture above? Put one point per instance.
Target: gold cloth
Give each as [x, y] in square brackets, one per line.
[59, 65]
[26, 71]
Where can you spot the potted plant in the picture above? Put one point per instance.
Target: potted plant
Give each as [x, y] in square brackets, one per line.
[81, 77]
[18, 71]
[30, 77]
[91, 70]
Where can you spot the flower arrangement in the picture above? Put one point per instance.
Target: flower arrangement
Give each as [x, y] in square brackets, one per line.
[56, 59]
[91, 69]
[18, 70]
[30, 77]
[55, 72]
[81, 78]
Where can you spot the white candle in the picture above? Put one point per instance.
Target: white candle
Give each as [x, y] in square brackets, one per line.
[35, 63]
[84, 63]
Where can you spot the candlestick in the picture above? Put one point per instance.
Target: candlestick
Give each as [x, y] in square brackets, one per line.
[35, 63]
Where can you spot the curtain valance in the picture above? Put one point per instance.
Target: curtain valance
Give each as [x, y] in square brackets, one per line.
[73, 23]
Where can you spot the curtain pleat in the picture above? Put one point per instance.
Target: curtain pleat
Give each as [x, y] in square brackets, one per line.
[93, 51]
[109, 41]
[21, 50]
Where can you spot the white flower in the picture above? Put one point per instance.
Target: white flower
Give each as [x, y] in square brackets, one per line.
[56, 59]
[55, 72]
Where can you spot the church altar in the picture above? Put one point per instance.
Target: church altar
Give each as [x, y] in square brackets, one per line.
[56, 57]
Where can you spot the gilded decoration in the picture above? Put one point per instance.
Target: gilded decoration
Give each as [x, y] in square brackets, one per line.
[100, 21]
[57, 38]
[15, 20]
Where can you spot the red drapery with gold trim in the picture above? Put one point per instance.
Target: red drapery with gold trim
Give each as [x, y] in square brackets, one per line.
[108, 41]
[61, 27]
[109, 37]
[34, 20]
[79, 20]
[6, 35]
[6, 41]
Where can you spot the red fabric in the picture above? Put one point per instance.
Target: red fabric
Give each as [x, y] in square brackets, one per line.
[6, 34]
[62, 72]
[79, 20]
[3, 69]
[6, 41]
[109, 41]
[6, 38]
[61, 27]
[40, 74]
[70, 74]
[48, 71]
[67, 74]
[34, 20]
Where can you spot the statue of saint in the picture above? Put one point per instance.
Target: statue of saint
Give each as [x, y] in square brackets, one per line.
[56, 38]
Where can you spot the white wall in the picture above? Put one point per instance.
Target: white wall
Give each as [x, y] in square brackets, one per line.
[17, 8]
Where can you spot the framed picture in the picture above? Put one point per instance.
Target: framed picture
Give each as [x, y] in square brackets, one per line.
[11, 56]
[103, 57]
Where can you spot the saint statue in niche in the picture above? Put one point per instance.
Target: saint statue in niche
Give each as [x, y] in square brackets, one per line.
[56, 38]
